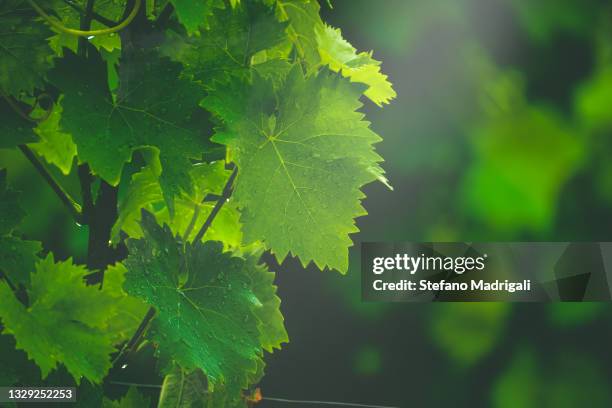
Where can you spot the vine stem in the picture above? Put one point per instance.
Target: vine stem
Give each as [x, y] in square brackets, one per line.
[192, 222]
[86, 33]
[140, 331]
[69, 203]
[225, 195]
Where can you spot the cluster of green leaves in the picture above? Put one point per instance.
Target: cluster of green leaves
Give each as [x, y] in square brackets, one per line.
[159, 112]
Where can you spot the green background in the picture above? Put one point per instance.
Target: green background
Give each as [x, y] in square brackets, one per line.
[500, 132]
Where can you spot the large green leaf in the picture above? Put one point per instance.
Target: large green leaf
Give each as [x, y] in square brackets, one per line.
[66, 320]
[303, 153]
[341, 56]
[182, 389]
[18, 257]
[191, 211]
[148, 112]
[142, 191]
[129, 310]
[194, 14]
[25, 55]
[133, 399]
[207, 307]
[272, 328]
[226, 48]
[70, 17]
[304, 22]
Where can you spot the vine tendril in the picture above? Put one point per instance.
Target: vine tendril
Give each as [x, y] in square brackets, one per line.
[81, 33]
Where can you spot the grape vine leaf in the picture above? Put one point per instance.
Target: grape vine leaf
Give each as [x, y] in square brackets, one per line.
[70, 17]
[54, 145]
[303, 153]
[15, 129]
[191, 212]
[142, 191]
[221, 398]
[147, 113]
[272, 328]
[25, 55]
[183, 389]
[18, 257]
[322, 45]
[342, 57]
[304, 22]
[206, 307]
[274, 70]
[194, 14]
[225, 50]
[129, 310]
[188, 389]
[66, 321]
[133, 399]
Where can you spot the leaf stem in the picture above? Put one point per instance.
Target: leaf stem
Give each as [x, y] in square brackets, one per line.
[140, 331]
[86, 33]
[73, 207]
[225, 195]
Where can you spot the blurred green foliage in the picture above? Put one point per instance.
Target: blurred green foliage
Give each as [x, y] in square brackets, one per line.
[468, 332]
[575, 314]
[572, 380]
